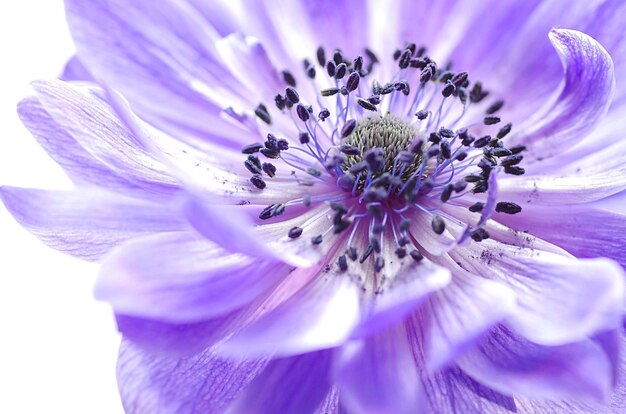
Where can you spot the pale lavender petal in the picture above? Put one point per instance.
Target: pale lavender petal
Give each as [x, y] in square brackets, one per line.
[93, 124]
[512, 365]
[378, 375]
[455, 317]
[292, 385]
[78, 164]
[182, 278]
[201, 384]
[321, 315]
[584, 98]
[162, 59]
[412, 284]
[177, 340]
[560, 299]
[87, 224]
[575, 229]
[75, 71]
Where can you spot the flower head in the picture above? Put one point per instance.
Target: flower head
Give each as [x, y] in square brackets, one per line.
[298, 209]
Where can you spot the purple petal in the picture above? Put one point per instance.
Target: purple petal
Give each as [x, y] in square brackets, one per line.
[233, 229]
[378, 375]
[202, 384]
[77, 163]
[512, 365]
[585, 96]
[560, 299]
[177, 339]
[162, 60]
[240, 53]
[292, 385]
[575, 229]
[412, 283]
[458, 315]
[75, 71]
[182, 278]
[92, 123]
[321, 315]
[86, 224]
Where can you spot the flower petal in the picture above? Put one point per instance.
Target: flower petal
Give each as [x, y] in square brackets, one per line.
[455, 317]
[560, 299]
[77, 163]
[86, 224]
[412, 282]
[201, 384]
[576, 229]
[75, 71]
[92, 123]
[182, 278]
[512, 365]
[321, 315]
[378, 375]
[585, 96]
[162, 60]
[292, 385]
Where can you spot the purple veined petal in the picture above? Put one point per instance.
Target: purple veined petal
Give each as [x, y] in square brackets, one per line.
[331, 404]
[575, 229]
[512, 365]
[91, 122]
[233, 229]
[162, 59]
[585, 96]
[412, 284]
[82, 168]
[378, 375]
[248, 61]
[183, 278]
[201, 384]
[177, 339]
[321, 315]
[75, 71]
[292, 385]
[87, 224]
[611, 405]
[222, 15]
[560, 299]
[455, 317]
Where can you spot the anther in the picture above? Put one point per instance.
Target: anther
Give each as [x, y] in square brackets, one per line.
[273, 210]
[352, 253]
[459, 79]
[446, 193]
[292, 95]
[508, 207]
[365, 104]
[317, 240]
[329, 91]
[353, 81]
[263, 114]
[479, 235]
[491, 120]
[366, 254]
[417, 255]
[504, 131]
[494, 107]
[324, 114]
[321, 56]
[422, 114]
[253, 164]
[379, 263]
[304, 138]
[251, 148]
[258, 182]
[302, 112]
[341, 71]
[482, 142]
[401, 252]
[348, 127]
[342, 262]
[288, 78]
[350, 150]
[269, 169]
[517, 149]
[476, 207]
[331, 68]
[448, 90]
[280, 102]
[514, 170]
[512, 160]
[438, 225]
[295, 232]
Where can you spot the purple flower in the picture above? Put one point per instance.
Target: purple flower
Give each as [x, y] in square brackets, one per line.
[298, 210]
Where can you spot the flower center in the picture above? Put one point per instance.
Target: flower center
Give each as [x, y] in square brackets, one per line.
[391, 154]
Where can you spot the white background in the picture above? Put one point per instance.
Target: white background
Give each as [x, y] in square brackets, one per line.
[58, 345]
